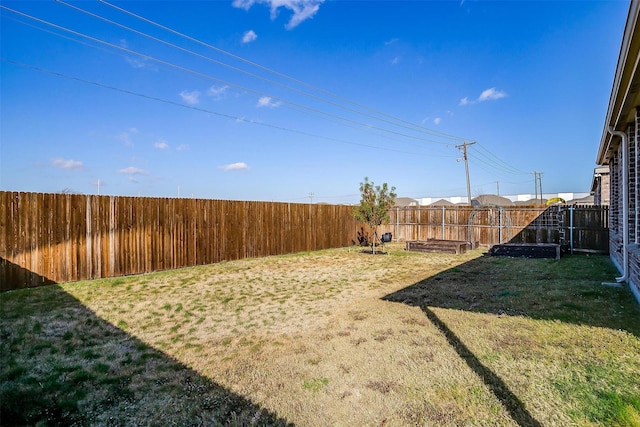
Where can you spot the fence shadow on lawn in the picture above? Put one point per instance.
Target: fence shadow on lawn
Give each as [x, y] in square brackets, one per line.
[63, 365]
[568, 290]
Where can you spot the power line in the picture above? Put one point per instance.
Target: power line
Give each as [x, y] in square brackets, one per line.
[204, 110]
[231, 67]
[491, 167]
[282, 75]
[498, 162]
[209, 77]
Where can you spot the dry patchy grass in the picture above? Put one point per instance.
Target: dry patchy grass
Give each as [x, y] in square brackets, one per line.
[333, 337]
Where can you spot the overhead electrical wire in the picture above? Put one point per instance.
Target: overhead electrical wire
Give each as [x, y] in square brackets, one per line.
[277, 73]
[209, 77]
[231, 67]
[494, 166]
[204, 110]
[489, 159]
[498, 162]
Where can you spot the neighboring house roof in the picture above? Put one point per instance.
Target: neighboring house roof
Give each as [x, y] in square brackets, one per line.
[589, 200]
[406, 201]
[530, 202]
[491, 200]
[442, 202]
[625, 94]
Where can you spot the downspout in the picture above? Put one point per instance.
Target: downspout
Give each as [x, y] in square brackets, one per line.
[625, 204]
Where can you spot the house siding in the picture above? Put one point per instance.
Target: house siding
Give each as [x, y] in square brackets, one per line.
[616, 218]
[623, 115]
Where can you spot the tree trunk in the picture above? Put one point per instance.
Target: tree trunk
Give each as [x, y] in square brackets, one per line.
[373, 243]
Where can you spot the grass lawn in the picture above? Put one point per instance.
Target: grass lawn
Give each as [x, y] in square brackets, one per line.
[334, 337]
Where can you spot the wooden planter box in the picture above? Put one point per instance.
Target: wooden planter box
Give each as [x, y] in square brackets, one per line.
[436, 245]
[527, 250]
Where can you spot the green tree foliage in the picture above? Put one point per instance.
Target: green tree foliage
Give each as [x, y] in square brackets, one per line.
[375, 202]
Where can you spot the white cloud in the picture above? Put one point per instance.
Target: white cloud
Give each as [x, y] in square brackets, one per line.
[395, 60]
[392, 41]
[132, 171]
[235, 166]
[249, 36]
[217, 92]
[191, 98]
[161, 145]
[490, 94]
[182, 147]
[302, 9]
[437, 121]
[267, 101]
[243, 4]
[67, 164]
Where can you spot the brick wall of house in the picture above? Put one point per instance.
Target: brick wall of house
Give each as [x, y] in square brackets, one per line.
[616, 228]
[615, 187]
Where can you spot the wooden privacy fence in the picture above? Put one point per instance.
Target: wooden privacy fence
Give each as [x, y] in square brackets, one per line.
[576, 228]
[48, 238]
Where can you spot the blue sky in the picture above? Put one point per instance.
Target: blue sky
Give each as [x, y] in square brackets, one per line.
[277, 99]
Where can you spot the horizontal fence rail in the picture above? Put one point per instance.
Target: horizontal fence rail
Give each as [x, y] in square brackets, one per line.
[51, 238]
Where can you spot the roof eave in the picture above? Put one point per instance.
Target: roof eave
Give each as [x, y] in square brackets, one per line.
[624, 77]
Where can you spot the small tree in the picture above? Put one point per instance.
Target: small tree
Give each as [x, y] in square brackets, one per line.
[375, 202]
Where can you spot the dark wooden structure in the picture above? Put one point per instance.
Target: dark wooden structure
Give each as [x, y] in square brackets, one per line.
[438, 245]
[526, 250]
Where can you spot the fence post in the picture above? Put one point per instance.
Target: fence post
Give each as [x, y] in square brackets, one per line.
[442, 222]
[500, 225]
[571, 228]
[397, 223]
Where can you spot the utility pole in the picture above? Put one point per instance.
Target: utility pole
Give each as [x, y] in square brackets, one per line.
[466, 166]
[311, 197]
[540, 180]
[537, 180]
[497, 188]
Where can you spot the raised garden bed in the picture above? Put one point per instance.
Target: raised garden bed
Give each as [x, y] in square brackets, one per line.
[526, 250]
[437, 245]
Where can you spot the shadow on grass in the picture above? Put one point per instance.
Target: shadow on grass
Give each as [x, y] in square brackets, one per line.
[63, 365]
[512, 404]
[568, 290]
